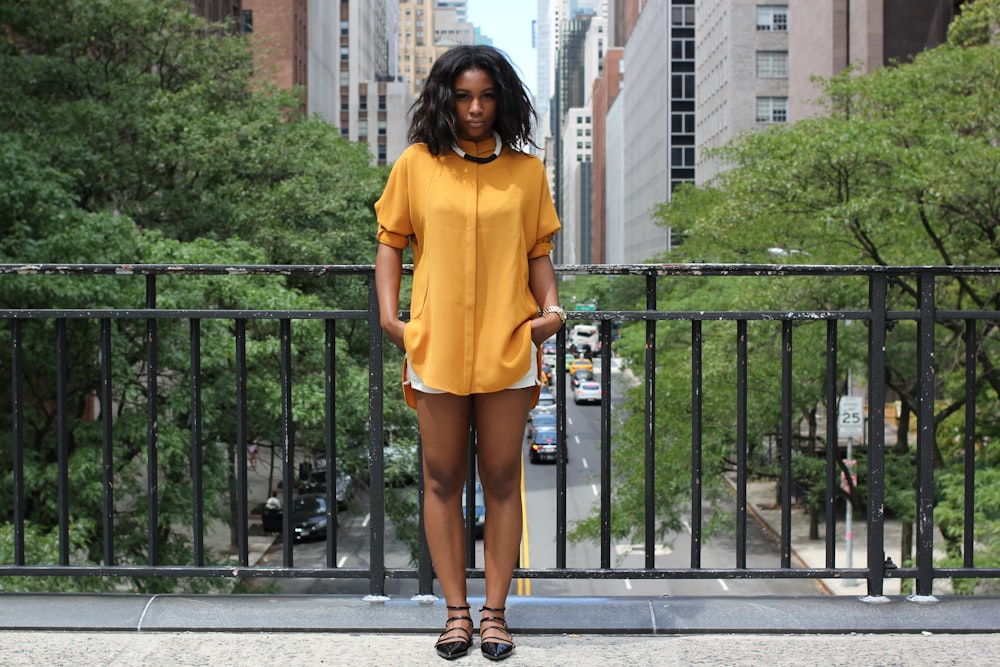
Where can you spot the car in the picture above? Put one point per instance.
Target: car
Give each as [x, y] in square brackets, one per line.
[585, 339]
[309, 516]
[587, 391]
[480, 511]
[570, 358]
[581, 375]
[580, 363]
[546, 404]
[542, 420]
[543, 446]
[316, 483]
[546, 374]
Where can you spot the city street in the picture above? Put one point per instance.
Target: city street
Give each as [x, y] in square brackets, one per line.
[538, 544]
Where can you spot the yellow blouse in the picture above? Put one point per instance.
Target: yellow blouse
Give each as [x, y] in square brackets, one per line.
[473, 228]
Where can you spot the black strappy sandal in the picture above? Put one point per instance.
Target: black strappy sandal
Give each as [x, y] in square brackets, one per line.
[455, 642]
[495, 647]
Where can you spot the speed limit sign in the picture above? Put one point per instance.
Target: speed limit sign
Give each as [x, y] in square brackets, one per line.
[851, 417]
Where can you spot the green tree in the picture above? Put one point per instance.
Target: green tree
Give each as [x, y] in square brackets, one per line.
[902, 170]
[132, 132]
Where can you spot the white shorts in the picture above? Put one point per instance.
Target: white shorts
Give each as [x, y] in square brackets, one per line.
[530, 378]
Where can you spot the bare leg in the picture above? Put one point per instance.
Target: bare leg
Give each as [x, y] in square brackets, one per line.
[500, 420]
[444, 431]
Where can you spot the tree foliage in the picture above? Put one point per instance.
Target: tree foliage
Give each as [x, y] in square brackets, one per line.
[903, 169]
[131, 131]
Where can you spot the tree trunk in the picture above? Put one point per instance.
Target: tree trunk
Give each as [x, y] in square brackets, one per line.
[906, 554]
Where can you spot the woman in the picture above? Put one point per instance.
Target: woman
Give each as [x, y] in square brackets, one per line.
[480, 218]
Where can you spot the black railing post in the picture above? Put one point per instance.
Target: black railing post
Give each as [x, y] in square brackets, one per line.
[287, 444]
[330, 441]
[649, 398]
[832, 443]
[925, 436]
[971, 345]
[559, 378]
[786, 443]
[697, 369]
[742, 444]
[243, 550]
[877, 289]
[376, 462]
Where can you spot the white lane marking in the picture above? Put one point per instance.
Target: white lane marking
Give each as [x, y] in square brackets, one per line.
[340, 563]
[368, 518]
[584, 462]
[723, 584]
[628, 585]
[576, 439]
[594, 488]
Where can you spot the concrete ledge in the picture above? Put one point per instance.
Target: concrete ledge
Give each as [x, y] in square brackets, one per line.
[618, 615]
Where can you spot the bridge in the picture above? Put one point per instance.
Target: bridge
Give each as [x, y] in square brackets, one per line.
[159, 316]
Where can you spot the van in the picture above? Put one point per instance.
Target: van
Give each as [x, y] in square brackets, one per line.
[585, 338]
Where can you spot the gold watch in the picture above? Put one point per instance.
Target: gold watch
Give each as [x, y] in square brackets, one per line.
[557, 310]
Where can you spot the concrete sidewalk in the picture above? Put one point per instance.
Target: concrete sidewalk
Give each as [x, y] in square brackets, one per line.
[342, 630]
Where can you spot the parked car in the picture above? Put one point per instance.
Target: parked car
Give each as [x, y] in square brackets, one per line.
[581, 375]
[480, 511]
[309, 516]
[543, 420]
[316, 483]
[543, 446]
[587, 392]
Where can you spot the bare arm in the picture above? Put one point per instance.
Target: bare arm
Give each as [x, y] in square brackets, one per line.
[388, 273]
[542, 283]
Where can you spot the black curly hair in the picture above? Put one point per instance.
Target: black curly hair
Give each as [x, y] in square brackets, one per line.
[433, 121]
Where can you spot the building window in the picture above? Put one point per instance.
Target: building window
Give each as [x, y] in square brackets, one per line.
[247, 20]
[772, 17]
[772, 109]
[772, 64]
[682, 86]
[682, 16]
[682, 49]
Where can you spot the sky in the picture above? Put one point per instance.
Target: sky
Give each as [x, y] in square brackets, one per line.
[508, 24]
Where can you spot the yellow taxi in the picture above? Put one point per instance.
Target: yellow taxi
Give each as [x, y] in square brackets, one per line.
[580, 364]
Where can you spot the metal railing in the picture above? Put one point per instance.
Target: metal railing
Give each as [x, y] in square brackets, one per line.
[875, 313]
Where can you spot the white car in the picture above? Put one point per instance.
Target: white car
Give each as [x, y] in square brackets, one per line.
[546, 404]
[587, 391]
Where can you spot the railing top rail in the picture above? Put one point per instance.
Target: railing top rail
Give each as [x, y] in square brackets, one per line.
[693, 269]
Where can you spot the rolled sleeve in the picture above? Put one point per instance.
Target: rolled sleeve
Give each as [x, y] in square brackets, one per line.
[392, 210]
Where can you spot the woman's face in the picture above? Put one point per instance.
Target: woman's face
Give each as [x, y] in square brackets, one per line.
[475, 105]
